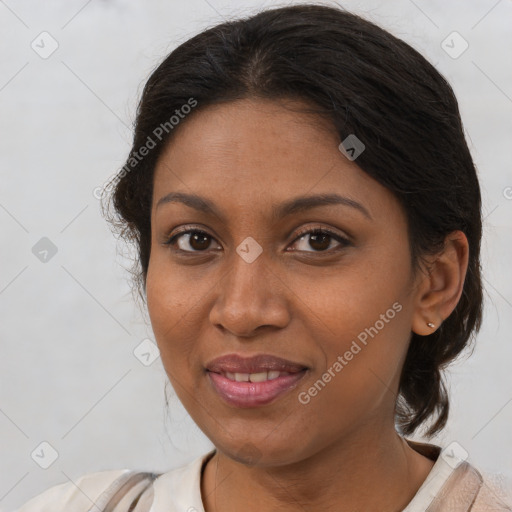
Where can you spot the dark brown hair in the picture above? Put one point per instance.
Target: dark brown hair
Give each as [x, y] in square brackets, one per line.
[368, 83]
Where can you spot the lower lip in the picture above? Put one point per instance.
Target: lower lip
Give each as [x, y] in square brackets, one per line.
[253, 394]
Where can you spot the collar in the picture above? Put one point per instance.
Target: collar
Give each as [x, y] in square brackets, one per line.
[179, 490]
[451, 479]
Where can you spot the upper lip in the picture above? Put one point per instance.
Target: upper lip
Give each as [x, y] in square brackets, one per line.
[235, 363]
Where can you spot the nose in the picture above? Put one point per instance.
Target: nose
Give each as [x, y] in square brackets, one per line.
[250, 296]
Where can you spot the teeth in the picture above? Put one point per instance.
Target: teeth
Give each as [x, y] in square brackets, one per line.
[254, 377]
[258, 377]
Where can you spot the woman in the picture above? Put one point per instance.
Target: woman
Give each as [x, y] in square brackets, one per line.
[307, 218]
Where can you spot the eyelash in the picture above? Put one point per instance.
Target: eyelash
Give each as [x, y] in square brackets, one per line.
[307, 231]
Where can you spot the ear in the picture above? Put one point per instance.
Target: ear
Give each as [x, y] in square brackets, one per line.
[440, 285]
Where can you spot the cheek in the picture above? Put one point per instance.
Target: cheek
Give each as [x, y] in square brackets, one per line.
[169, 307]
[363, 330]
[360, 378]
[170, 295]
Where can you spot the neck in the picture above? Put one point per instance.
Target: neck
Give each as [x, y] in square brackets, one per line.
[377, 472]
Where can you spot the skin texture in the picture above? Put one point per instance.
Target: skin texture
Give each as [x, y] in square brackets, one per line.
[301, 300]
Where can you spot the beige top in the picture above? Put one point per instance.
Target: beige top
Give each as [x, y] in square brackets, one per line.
[452, 485]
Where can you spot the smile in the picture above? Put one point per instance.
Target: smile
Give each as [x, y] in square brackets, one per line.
[246, 390]
[254, 377]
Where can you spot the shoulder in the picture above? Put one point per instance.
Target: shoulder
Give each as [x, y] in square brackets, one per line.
[455, 484]
[495, 493]
[80, 494]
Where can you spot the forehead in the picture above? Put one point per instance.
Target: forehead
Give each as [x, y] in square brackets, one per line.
[257, 152]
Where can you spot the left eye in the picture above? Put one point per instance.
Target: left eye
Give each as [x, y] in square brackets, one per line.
[320, 240]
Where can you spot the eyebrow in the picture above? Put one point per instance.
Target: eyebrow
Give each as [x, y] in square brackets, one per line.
[295, 205]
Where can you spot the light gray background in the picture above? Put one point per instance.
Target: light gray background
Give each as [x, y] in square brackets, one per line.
[69, 326]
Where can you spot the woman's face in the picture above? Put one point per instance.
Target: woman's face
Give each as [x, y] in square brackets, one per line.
[339, 303]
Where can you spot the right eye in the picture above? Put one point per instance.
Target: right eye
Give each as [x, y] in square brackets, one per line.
[195, 238]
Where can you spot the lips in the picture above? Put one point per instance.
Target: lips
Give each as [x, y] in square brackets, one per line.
[257, 364]
[257, 394]
[254, 381]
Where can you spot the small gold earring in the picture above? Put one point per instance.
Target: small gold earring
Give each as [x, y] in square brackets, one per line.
[430, 324]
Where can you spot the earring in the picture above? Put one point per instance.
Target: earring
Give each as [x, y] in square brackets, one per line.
[430, 324]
